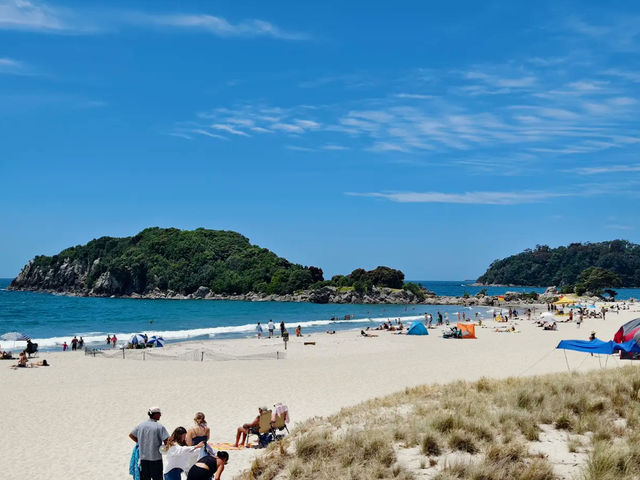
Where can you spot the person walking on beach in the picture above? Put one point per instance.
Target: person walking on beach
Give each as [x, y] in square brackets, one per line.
[272, 327]
[259, 330]
[114, 339]
[282, 328]
[150, 436]
[74, 343]
[81, 343]
[64, 346]
[108, 340]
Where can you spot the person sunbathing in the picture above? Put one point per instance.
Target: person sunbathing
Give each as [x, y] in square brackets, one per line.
[365, 334]
[553, 327]
[246, 428]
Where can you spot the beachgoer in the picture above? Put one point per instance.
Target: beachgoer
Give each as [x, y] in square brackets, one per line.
[23, 359]
[81, 343]
[298, 331]
[114, 339]
[74, 343]
[271, 328]
[150, 435]
[64, 346]
[592, 337]
[180, 457]
[243, 431]
[259, 330]
[208, 466]
[282, 328]
[108, 339]
[200, 432]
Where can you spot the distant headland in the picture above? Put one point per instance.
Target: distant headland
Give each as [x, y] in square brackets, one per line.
[579, 267]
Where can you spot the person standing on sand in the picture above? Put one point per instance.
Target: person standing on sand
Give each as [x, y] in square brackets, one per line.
[114, 339]
[108, 340]
[74, 343]
[272, 327]
[150, 436]
[259, 330]
[64, 346]
[281, 328]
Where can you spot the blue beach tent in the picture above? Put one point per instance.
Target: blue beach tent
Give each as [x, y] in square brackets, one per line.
[417, 328]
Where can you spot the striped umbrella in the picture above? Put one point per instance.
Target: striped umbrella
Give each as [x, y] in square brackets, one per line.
[136, 339]
[156, 341]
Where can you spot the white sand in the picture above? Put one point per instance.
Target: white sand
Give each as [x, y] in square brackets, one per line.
[71, 420]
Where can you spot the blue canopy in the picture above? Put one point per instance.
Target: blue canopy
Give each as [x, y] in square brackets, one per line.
[598, 346]
[417, 328]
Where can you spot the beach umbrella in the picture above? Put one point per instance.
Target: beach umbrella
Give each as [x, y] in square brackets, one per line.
[136, 339]
[15, 337]
[156, 341]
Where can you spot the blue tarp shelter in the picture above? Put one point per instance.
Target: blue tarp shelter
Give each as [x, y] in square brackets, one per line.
[417, 328]
[598, 346]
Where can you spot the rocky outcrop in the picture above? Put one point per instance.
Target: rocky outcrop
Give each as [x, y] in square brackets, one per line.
[71, 279]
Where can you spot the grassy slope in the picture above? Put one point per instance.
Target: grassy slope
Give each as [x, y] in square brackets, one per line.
[492, 421]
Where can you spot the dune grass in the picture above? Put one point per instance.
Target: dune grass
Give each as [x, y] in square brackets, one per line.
[482, 431]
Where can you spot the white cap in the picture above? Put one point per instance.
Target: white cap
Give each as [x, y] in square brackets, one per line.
[153, 410]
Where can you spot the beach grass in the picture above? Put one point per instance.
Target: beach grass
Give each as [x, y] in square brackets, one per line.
[484, 430]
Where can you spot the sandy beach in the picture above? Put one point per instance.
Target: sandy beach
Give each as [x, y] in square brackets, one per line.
[72, 420]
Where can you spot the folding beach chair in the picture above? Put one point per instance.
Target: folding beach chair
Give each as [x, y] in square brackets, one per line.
[264, 430]
[279, 424]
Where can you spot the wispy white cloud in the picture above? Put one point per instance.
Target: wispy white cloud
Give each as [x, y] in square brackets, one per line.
[598, 170]
[11, 66]
[215, 25]
[47, 18]
[618, 226]
[478, 198]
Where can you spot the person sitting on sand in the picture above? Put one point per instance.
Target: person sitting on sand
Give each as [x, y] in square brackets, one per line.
[200, 432]
[180, 457]
[23, 359]
[208, 466]
[365, 334]
[244, 430]
[553, 327]
[592, 337]
[298, 331]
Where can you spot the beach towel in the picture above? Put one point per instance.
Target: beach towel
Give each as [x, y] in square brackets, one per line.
[228, 446]
[134, 463]
[280, 409]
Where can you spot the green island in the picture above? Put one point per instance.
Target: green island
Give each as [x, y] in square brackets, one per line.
[578, 267]
[184, 261]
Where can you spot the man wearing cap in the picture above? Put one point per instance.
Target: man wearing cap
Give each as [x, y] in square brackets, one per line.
[149, 436]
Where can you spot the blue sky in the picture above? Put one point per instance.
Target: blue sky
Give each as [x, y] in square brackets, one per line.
[430, 138]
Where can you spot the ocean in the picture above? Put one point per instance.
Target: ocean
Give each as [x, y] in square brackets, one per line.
[51, 319]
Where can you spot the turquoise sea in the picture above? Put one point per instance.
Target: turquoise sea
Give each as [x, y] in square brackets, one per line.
[52, 319]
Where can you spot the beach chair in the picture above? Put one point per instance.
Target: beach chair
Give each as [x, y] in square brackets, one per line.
[32, 349]
[264, 430]
[279, 424]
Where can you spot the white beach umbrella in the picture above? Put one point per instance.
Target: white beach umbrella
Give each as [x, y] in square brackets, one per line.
[15, 337]
[136, 339]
